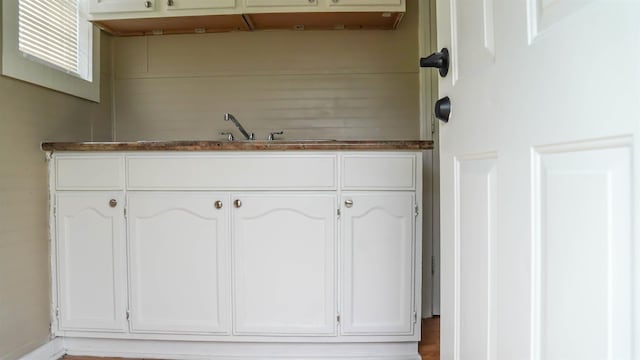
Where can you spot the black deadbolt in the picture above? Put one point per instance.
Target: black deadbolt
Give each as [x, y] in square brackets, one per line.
[438, 60]
[443, 109]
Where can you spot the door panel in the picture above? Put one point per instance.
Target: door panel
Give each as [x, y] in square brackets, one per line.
[474, 36]
[91, 261]
[284, 260]
[583, 238]
[476, 257]
[563, 129]
[378, 258]
[179, 262]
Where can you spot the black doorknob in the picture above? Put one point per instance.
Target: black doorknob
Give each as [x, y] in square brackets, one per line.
[438, 60]
[443, 109]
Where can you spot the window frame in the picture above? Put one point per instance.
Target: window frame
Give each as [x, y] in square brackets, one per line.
[21, 66]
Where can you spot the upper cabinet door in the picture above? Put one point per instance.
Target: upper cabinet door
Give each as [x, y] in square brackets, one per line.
[284, 264]
[378, 262]
[199, 4]
[179, 262]
[363, 3]
[281, 3]
[91, 255]
[119, 6]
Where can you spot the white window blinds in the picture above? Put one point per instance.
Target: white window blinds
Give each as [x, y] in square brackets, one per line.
[54, 32]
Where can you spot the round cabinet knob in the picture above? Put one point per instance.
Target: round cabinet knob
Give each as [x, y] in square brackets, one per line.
[169, 2]
[147, 4]
[335, 1]
[218, 204]
[348, 203]
[113, 203]
[237, 203]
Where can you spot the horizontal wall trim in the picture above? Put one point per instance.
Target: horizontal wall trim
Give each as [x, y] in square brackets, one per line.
[346, 72]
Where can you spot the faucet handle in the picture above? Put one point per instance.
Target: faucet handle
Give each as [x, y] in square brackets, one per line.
[228, 134]
[273, 134]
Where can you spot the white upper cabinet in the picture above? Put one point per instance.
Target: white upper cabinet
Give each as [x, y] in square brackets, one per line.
[378, 263]
[90, 258]
[284, 264]
[186, 16]
[179, 262]
[121, 6]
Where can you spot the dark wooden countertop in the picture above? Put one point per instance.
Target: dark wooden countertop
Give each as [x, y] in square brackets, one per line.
[277, 145]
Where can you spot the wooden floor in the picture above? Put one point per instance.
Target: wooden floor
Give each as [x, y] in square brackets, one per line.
[429, 347]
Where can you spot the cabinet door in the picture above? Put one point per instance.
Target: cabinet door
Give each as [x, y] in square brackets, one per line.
[370, 3]
[284, 264]
[179, 262]
[121, 6]
[297, 5]
[378, 263]
[199, 4]
[91, 266]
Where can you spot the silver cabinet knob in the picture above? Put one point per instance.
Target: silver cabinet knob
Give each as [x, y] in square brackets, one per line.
[348, 203]
[113, 203]
[218, 204]
[237, 203]
[169, 2]
[335, 1]
[148, 4]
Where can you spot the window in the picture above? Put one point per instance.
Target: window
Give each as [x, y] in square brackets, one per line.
[60, 43]
[51, 43]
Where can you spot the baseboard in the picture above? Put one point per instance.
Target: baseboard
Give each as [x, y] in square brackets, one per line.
[186, 350]
[52, 350]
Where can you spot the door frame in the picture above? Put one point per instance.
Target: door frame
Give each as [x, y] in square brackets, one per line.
[429, 130]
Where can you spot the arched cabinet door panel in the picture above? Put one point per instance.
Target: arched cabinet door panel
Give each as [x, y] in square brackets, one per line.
[90, 257]
[179, 262]
[378, 255]
[284, 264]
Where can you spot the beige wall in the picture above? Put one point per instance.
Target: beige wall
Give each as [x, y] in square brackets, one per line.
[311, 84]
[28, 115]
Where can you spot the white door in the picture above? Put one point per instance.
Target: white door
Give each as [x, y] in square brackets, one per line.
[91, 266]
[540, 176]
[378, 261]
[284, 250]
[179, 262]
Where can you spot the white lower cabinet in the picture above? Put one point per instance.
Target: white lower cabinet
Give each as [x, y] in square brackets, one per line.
[90, 256]
[378, 263]
[318, 256]
[179, 266]
[284, 261]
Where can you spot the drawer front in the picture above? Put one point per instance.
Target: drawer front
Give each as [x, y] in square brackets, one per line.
[232, 172]
[379, 172]
[94, 172]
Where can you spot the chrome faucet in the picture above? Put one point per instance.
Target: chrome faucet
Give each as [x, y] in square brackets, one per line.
[229, 117]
